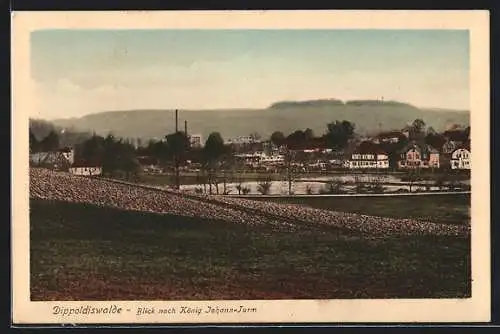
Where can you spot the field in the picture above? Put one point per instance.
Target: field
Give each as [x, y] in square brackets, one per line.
[97, 240]
[446, 209]
[84, 252]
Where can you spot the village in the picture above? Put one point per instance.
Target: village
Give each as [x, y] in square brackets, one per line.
[387, 151]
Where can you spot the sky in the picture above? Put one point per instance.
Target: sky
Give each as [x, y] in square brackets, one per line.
[79, 72]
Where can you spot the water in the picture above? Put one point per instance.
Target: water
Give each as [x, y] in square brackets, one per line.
[300, 187]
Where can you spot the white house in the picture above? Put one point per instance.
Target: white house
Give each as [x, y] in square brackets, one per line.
[272, 159]
[195, 140]
[85, 170]
[390, 137]
[243, 140]
[461, 158]
[368, 156]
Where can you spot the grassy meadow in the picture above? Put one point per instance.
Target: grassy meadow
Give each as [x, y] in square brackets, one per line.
[447, 209]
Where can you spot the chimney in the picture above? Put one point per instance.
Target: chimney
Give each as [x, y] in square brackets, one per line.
[176, 120]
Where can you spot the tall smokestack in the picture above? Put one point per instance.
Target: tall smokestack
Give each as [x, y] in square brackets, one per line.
[186, 128]
[176, 120]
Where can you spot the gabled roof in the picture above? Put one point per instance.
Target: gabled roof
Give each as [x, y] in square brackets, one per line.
[368, 147]
[48, 157]
[422, 148]
[455, 135]
[390, 134]
[84, 163]
[465, 146]
[65, 150]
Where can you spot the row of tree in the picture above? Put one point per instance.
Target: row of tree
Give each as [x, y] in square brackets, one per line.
[337, 136]
[50, 142]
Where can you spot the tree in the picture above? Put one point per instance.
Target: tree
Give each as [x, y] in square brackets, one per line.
[114, 155]
[51, 142]
[33, 142]
[158, 150]
[467, 133]
[277, 138]
[178, 144]
[214, 150]
[214, 146]
[111, 159]
[418, 125]
[228, 163]
[413, 176]
[417, 129]
[127, 160]
[333, 186]
[264, 186]
[308, 134]
[339, 133]
[431, 131]
[289, 159]
[296, 139]
[435, 140]
[93, 149]
[255, 136]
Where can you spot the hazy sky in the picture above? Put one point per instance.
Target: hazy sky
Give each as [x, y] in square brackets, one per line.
[78, 72]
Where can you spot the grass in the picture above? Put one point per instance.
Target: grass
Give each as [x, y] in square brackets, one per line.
[83, 252]
[449, 208]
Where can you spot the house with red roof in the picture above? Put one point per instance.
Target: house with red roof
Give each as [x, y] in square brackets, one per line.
[418, 155]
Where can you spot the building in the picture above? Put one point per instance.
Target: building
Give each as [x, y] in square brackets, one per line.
[406, 131]
[60, 159]
[390, 137]
[195, 140]
[368, 156]
[277, 159]
[414, 155]
[243, 140]
[450, 145]
[461, 158]
[85, 169]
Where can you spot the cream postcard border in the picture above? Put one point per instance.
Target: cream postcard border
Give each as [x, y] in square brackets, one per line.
[475, 309]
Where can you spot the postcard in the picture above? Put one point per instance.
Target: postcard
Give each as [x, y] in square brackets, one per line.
[234, 167]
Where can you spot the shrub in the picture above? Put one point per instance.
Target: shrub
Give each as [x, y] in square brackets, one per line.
[440, 181]
[309, 190]
[333, 187]
[264, 187]
[378, 188]
[245, 190]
